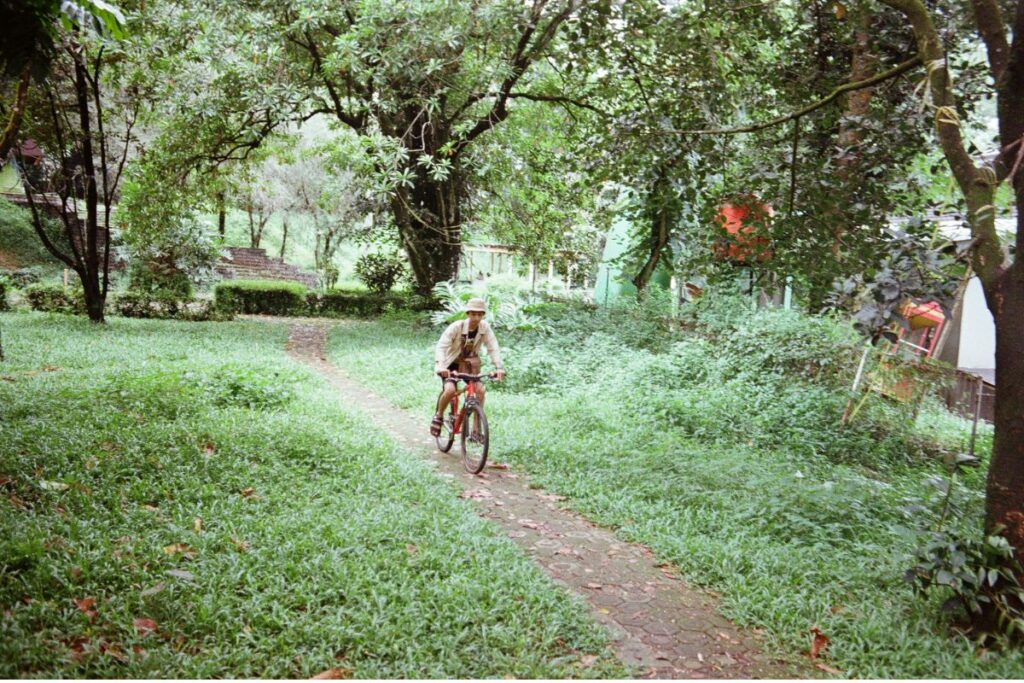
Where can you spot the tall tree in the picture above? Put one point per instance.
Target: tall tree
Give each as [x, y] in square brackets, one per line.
[422, 81]
[1002, 280]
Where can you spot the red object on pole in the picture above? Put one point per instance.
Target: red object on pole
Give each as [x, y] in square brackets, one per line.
[743, 222]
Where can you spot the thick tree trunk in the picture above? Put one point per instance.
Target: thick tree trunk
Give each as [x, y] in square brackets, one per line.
[429, 220]
[1005, 489]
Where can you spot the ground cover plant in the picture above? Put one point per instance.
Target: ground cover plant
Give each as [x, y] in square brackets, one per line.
[721, 451]
[182, 500]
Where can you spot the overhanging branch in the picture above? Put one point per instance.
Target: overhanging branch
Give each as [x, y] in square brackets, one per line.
[828, 99]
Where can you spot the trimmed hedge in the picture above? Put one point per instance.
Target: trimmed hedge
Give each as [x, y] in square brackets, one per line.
[345, 303]
[266, 297]
[167, 306]
[270, 297]
[55, 299]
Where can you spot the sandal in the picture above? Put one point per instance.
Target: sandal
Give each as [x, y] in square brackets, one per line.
[435, 426]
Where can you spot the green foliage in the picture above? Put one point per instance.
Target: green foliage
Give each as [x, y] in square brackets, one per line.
[18, 239]
[267, 297]
[379, 272]
[793, 519]
[23, 277]
[55, 298]
[505, 310]
[979, 574]
[319, 543]
[165, 305]
[360, 304]
[4, 285]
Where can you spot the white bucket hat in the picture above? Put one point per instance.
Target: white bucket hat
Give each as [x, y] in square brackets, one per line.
[476, 305]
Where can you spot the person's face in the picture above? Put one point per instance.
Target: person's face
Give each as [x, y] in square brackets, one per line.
[475, 317]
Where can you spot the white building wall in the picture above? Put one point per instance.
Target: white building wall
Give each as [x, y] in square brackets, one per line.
[977, 330]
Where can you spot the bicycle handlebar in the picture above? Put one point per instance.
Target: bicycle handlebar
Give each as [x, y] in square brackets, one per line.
[470, 378]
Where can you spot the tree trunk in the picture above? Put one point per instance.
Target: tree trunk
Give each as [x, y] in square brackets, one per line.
[284, 235]
[95, 296]
[858, 106]
[658, 212]
[221, 214]
[429, 220]
[17, 112]
[1004, 499]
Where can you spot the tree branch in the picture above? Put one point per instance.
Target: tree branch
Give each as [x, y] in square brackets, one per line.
[828, 99]
[989, 19]
[559, 99]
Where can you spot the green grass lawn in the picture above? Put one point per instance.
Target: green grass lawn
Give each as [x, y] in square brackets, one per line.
[182, 500]
[803, 529]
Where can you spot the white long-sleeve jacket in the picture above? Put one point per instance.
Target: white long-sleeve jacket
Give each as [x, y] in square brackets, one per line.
[450, 344]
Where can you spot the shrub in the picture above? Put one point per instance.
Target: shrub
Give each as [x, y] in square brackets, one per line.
[505, 310]
[4, 282]
[379, 272]
[55, 299]
[23, 277]
[159, 279]
[267, 297]
[167, 306]
[980, 577]
[341, 303]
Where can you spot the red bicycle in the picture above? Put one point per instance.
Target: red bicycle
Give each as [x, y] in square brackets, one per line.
[470, 423]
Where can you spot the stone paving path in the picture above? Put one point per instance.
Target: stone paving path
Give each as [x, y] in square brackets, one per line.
[658, 624]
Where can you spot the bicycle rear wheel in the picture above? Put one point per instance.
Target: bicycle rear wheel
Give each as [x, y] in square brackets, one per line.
[475, 438]
[447, 436]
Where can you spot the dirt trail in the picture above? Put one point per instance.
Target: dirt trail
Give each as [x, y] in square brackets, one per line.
[657, 622]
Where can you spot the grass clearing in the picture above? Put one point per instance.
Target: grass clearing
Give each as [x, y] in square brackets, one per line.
[182, 500]
[729, 476]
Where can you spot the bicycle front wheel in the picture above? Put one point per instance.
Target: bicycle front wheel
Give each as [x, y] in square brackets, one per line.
[475, 439]
[447, 436]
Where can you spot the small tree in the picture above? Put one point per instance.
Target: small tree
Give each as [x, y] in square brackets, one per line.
[88, 171]
[379, 272]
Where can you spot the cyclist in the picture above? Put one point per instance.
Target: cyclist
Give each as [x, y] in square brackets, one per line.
[456, 350]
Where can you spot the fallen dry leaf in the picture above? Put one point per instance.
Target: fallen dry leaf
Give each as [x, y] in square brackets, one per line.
[411, 548]
[85, 607]
[180, 548]
[827, 669]
[144, 625]
[248, 492]
[240, 545]
[476, 494]
[151, 508]
[497, 466]
[593, 586]
[529, 524]
[587, 661]
[197, 525]
[335, 674]
[819, 643]
[114, 650]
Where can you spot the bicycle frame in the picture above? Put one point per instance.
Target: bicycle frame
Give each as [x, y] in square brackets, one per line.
[460, 414]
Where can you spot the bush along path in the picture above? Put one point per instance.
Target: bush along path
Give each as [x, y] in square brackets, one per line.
[658, 624]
